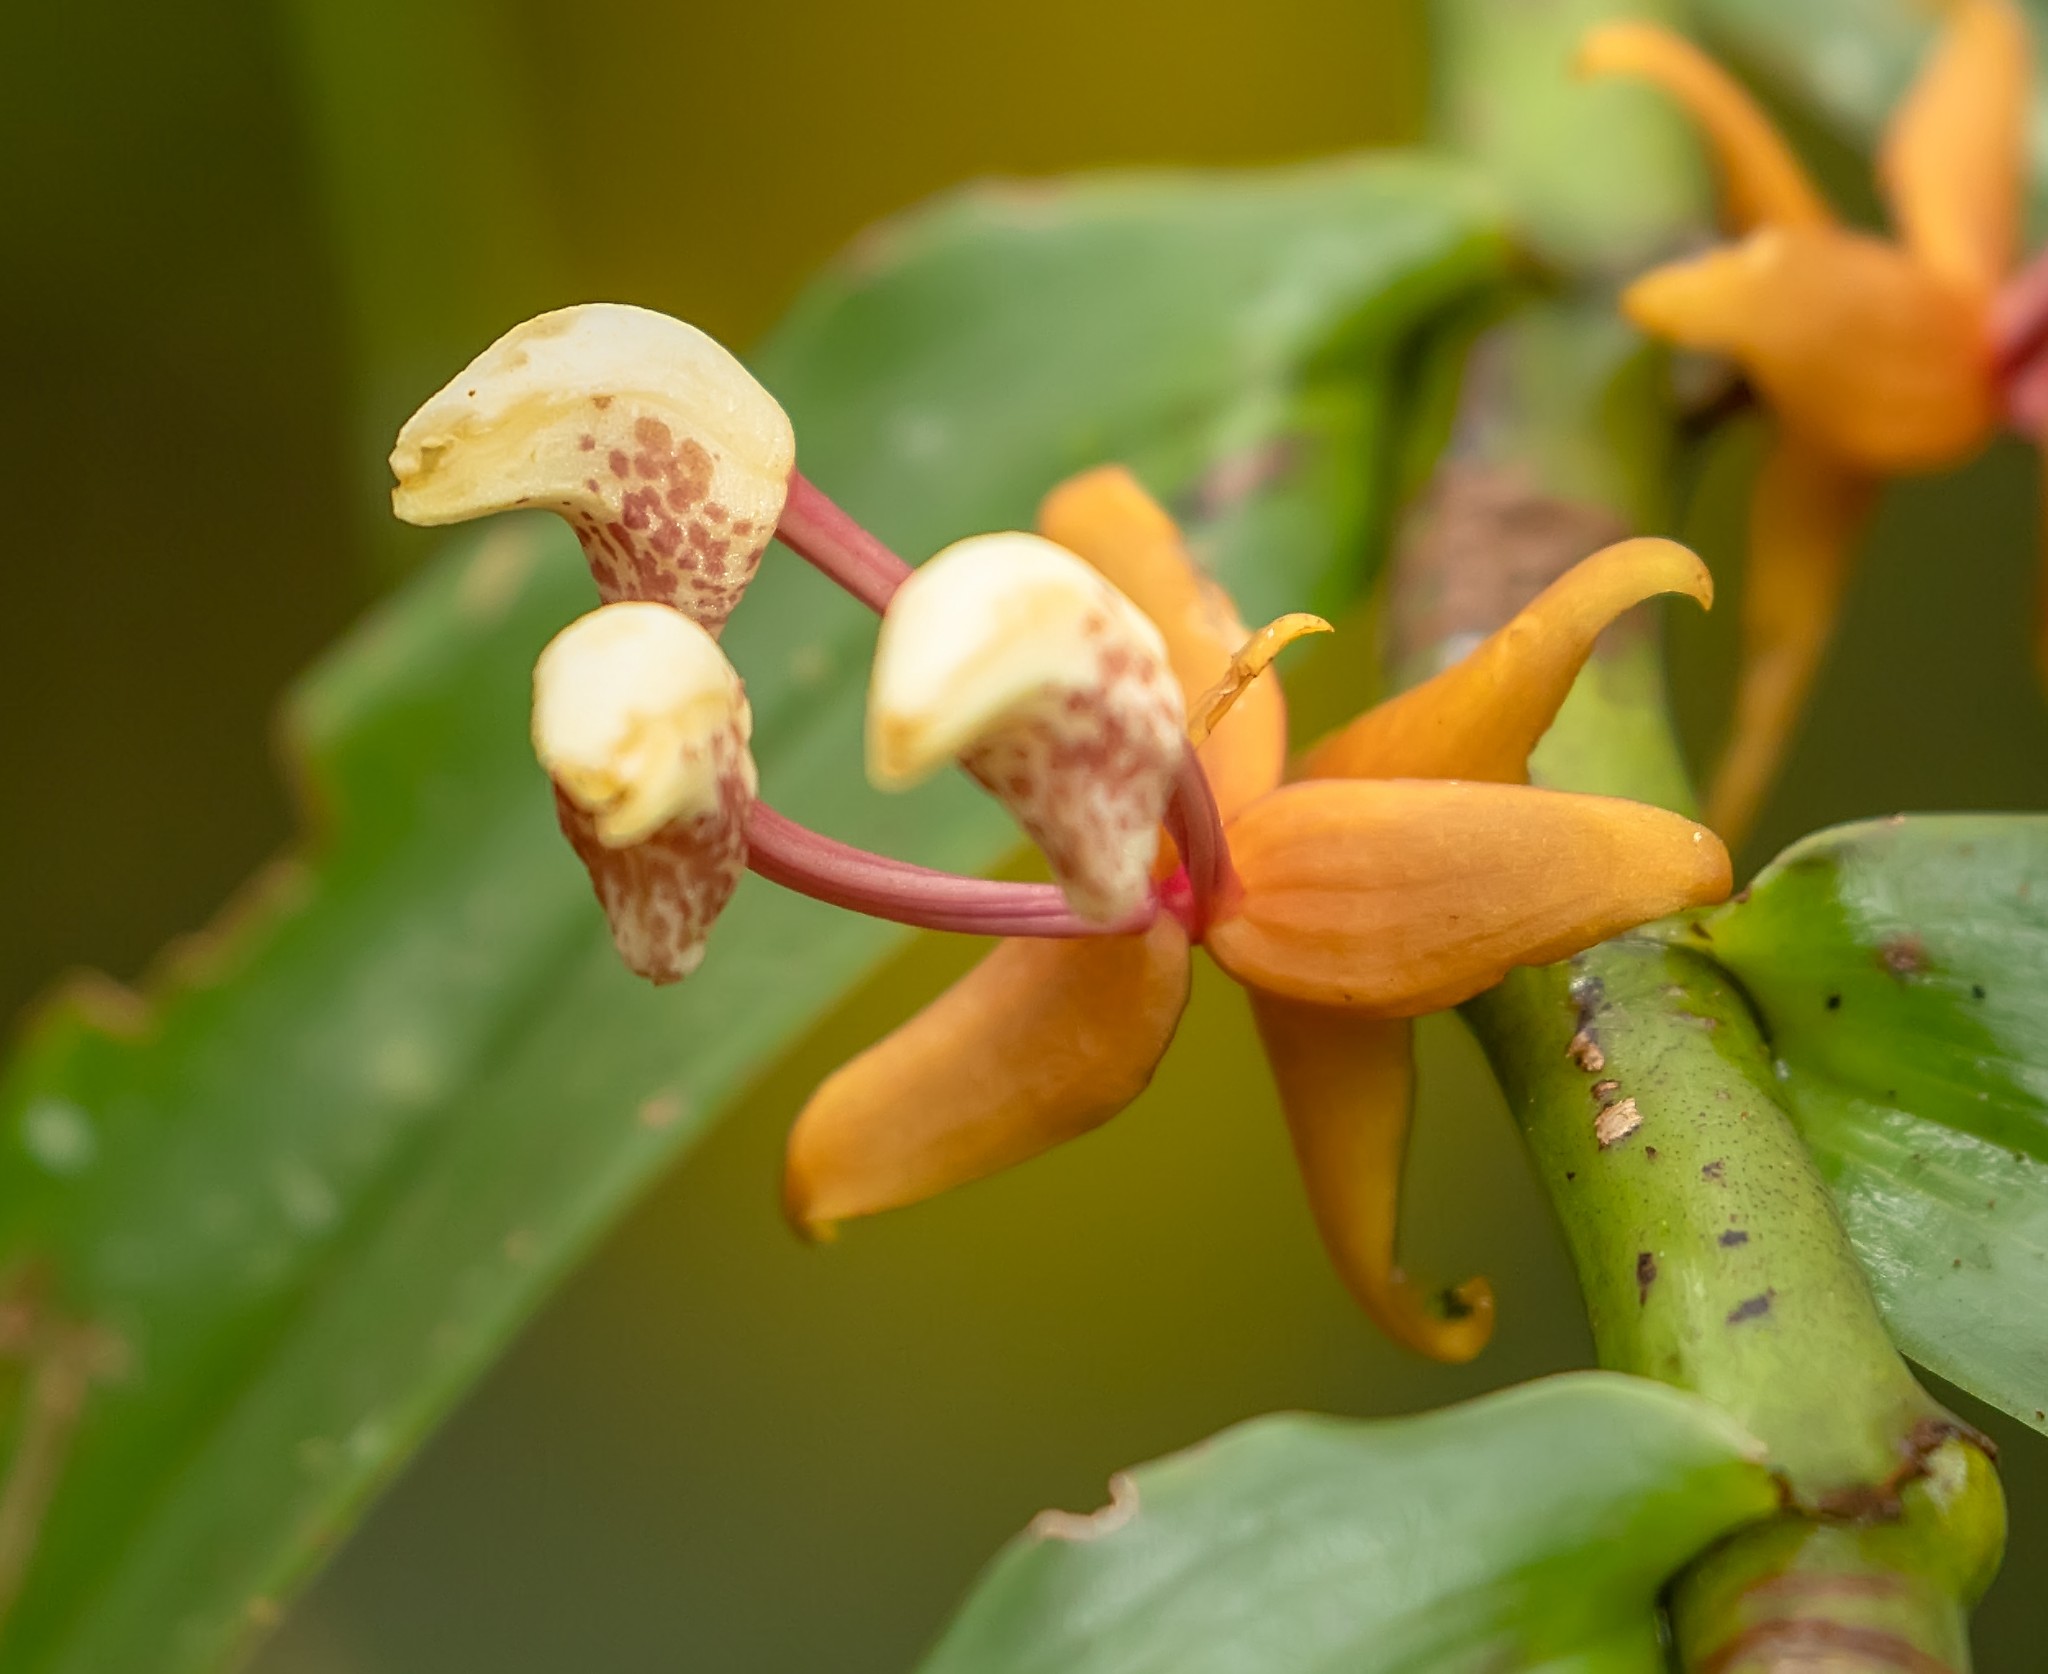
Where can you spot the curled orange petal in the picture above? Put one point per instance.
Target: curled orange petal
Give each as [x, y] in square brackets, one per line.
[1849, 338]
[1954, 154]
[1345, 1082]
[1040, 1042]
[1107, 518]
[1480, 718]
[1403, 896]
[1804, 515]
[1763, 182]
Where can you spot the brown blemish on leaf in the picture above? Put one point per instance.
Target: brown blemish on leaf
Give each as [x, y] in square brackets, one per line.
[1715, 1170]
[1903, 956]
[1605, 1090]
[1616, 1122]
[1732, 1237]
[1584, 1051]
[663, 1110]
[62, 1358]
[1070, 1525]
[1646, 1275]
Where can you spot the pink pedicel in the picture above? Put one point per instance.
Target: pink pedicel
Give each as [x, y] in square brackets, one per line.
[811, 864]
[817, 530]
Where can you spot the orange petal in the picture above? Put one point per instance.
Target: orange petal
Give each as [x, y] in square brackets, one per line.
[1763, 182]
[1804, 514]
[1954, 155]
[1402, 896]
[1108, 519]
[1849, 338]
[1480, 718]
[1345, 1083]
[1040, 1042]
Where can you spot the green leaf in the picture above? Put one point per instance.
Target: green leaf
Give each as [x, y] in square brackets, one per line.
[1901, 971]
[275, 1220]
[1529, 1530]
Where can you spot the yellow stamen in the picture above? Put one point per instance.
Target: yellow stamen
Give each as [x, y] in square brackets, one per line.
[1247, 663]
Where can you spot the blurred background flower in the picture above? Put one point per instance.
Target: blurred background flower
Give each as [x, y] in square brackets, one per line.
[233, 272]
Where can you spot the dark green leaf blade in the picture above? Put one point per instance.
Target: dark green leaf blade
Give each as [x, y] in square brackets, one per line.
[1901, 969]
[1298, 1545]
[282, 1217]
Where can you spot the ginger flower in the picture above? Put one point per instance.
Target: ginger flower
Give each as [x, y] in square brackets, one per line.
[1411, 868]
[1090, 678]
[1876, 356]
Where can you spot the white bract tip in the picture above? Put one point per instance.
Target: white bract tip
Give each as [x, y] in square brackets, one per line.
[661, 451]
[1049, 686]
[629, 706]
[643, 726]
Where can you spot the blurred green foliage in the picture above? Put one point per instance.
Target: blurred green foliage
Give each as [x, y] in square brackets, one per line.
[718, 1449]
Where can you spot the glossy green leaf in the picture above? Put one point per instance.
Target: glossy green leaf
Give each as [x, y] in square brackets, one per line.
[1529, 1530]
[274, 1221]
[1901, 972]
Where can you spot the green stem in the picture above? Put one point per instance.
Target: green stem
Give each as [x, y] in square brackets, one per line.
[1711, 1258]
[1707, 1246]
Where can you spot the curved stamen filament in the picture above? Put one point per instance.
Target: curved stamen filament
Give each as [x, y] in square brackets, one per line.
[825, 869]
[1196, 826]
[817, 529]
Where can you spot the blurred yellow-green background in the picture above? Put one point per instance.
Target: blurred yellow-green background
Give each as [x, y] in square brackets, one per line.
[717, 1449]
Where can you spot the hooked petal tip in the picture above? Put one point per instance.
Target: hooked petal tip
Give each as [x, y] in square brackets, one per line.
[1480, 718]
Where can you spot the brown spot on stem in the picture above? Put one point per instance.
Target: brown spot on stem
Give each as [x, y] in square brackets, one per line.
[1585, 1051]
[1646, 1275]
[1715, 1170]
[1732, 1237]
[1616, 1122]
[1818, 1644]
[1754, 1307]
[1604, 1090]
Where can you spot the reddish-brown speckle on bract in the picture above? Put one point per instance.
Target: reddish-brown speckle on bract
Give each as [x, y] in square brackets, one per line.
[1087, 777]
[662, 895]
[650, 530]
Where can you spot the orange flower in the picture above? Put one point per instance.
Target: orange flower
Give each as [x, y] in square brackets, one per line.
[1878, 357]
[1411, 870]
